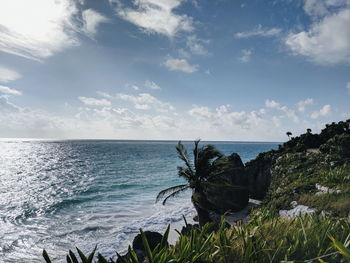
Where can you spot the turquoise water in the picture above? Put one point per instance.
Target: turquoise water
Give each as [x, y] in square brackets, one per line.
[60, 194]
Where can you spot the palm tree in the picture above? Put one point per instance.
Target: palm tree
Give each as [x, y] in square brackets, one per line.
[288, 134]
[196, 175]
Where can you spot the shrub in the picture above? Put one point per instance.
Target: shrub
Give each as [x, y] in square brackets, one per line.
[265, 238]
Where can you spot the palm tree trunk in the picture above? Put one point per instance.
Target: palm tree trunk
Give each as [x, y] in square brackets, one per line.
[199, 201]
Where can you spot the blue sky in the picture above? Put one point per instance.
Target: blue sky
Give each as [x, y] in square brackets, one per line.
[172, 69]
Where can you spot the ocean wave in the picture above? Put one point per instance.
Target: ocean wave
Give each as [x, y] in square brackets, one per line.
[158, 221]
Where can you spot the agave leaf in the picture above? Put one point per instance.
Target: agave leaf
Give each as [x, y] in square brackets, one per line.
[133, 255]
[146, 246]
[46, 256]
[73, 257]
[101, 259]
[91, 256]
[341, 248]
[164, 241]
[82, 256]
[186, 224]
[122, 258]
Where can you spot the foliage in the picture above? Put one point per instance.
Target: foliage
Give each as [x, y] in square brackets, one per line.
[339, 144]
[294, 178]
[199, 175]
[265, 238]
[294, 174]
[309, 140]
[195, 173]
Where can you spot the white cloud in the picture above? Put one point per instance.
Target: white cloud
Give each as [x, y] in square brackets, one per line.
[94, 102]
[304, 103]
[348, 86]
[145, 101]
[6, 106]
[272, 104]
[195, 45]
[36, 29]
[7, 75]
[259, 31]
[327, 42]
[184, 53]
[201, 112]
[223, 118]
[104, 94]
[9, 91]
[92, 20]
[152, 85]
[289, 113]
[108, 122]
[246, 55]
[316, 8]
[323, 112]
[155, 16]
[177, 64]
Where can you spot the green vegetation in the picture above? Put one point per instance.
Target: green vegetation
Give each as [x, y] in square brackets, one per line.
[295, 177]
[311, 170]
[264, 238]
[196, 175]
[309, 140]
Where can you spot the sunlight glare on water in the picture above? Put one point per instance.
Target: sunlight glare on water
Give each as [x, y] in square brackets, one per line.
[61, 194]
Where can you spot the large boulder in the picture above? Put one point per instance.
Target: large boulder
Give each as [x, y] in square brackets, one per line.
[227, 197]
[228, 189]
[231, 169]
[153, 238]
[258, 172]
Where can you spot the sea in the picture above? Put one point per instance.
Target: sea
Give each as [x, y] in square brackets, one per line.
[58, 195]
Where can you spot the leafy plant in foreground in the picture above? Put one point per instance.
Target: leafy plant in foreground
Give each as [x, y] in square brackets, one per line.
[265, 238]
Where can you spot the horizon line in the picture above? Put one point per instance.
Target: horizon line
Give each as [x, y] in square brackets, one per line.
[132, 140]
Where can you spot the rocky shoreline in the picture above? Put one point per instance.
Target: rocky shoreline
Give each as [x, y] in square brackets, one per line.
[309, 174]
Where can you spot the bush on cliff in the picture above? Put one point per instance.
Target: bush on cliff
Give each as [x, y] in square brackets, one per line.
[339, 144]
[309, 140]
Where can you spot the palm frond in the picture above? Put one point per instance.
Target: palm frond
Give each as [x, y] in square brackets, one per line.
[195, 151]
[206, 156]
[164, 192]
[184, 172]
[183, 155]
[176, 193]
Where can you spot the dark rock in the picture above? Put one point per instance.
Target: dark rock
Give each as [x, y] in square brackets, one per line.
[232, 170]
[228, 191]
[153, 238]
[235, 161]
[258, 172]
[227, 198]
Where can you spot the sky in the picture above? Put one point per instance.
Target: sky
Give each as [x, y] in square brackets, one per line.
[172, 69]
